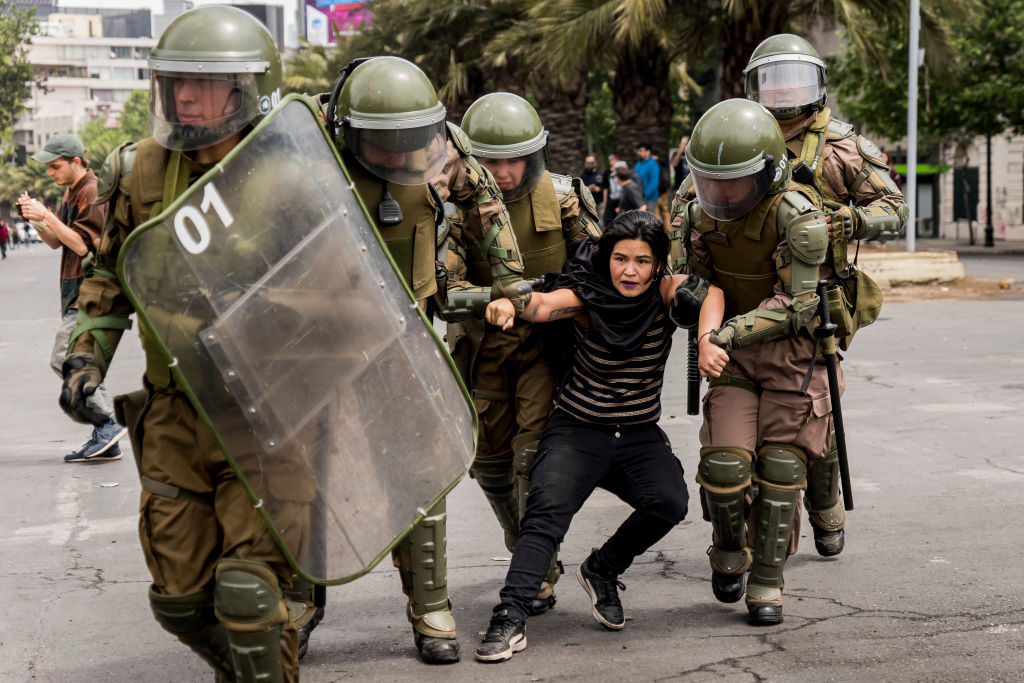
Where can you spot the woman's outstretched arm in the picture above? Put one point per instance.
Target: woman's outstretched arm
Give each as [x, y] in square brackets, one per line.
[543, 307]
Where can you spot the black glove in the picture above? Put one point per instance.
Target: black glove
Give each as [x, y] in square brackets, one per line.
[686, 302]
[82, 378]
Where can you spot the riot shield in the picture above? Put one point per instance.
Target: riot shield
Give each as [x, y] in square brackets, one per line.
[285, 321]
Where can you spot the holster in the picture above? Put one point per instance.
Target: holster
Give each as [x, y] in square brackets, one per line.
[129, 409]
[465, 340]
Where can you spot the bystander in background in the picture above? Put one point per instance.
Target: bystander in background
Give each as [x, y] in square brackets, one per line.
[648, 169]
[596, 181]
[75, 230]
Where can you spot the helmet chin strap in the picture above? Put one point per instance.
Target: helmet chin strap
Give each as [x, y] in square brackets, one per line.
[333, 124]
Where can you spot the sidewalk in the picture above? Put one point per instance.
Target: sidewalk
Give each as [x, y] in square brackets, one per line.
[1002, 247]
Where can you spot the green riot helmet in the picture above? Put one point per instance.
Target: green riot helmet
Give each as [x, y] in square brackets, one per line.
[388, 116]
[214, 71]
[786, 75]
[737, 156]
[509, 140]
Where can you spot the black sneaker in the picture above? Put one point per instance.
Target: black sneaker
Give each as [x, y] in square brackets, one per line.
[505, 636]
[604, 596]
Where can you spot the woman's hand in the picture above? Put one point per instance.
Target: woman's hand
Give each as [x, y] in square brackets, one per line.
[711, 359]
[501, 312]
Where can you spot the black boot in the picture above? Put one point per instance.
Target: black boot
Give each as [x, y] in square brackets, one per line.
[828, 543]
[437, 650]
[764, 614]
[727, 587]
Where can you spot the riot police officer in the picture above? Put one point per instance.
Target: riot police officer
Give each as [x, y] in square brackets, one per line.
[407, 162]
[511, 381]
[786, 75]
[762, 242]
[218, 576]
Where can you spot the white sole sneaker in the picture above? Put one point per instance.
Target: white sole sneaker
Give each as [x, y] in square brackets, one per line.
[517, 644]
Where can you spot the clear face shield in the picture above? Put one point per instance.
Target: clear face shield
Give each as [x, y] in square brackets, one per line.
[785, 88]
[516, 176]
[726, 198]
[406, 156]
[191, 111]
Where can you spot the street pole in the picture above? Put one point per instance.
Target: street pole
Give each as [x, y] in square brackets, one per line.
[989, 231]
[912, 61]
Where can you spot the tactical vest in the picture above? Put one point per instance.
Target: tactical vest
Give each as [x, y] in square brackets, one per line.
[150, 188]
[741, 255]
[537, 223]
[411, 243]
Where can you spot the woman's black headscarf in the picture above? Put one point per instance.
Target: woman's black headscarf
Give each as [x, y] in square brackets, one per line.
[618, 322]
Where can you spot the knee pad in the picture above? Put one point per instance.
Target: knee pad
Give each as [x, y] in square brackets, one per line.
[191, 618]
[781, 466]
[422, 561]
[249, 603]
[493, 473]
[724, 474]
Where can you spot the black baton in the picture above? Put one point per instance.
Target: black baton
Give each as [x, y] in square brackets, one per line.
[692, 375]
[825, 334]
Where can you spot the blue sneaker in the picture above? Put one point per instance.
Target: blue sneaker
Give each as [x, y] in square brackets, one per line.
[102, 446]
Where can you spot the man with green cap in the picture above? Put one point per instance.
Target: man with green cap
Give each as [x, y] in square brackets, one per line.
[408, 164]
[218, 575]
[509, 376]
[74, 229]
[786, 75]
[761, 241]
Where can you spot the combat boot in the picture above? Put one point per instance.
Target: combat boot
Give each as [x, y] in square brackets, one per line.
[828, 543]
[422, 563]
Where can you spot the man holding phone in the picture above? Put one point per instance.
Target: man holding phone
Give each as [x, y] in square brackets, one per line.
[74, 229]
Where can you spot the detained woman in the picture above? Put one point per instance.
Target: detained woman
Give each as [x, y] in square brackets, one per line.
[604, 431]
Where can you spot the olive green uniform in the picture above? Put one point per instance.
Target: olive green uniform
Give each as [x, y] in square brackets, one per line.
[758, 428]
[510, 380]
[421, 556]
[848, 170]
[197, 525]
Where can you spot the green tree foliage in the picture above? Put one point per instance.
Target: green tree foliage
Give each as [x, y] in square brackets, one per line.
[17, 26]
[979, 92]
[100, 137]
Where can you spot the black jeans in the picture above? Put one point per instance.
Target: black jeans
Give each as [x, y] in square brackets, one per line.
[635, 463]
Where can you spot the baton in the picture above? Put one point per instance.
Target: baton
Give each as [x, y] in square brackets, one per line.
[825, 334]
[692, 375]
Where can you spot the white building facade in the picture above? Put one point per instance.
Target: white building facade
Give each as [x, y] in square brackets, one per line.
[84, 78]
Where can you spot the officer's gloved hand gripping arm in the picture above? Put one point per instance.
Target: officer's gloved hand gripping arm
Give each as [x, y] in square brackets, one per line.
[797, 262]
[486, 221]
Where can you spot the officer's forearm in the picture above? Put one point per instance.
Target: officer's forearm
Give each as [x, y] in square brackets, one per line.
[767, 324]
[880, 224]
[466, 303]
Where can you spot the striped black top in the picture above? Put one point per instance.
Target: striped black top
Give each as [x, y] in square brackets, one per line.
[614, 388]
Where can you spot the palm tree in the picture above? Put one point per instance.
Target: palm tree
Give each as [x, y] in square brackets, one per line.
[638, 41]
[450, 42]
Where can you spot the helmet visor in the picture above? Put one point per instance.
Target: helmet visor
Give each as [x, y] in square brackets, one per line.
[729, 199]
[191, 111]
[785, 86]
[516, 176]
[406, 156]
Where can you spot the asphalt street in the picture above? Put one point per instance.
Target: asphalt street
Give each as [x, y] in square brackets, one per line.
[929, 588]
